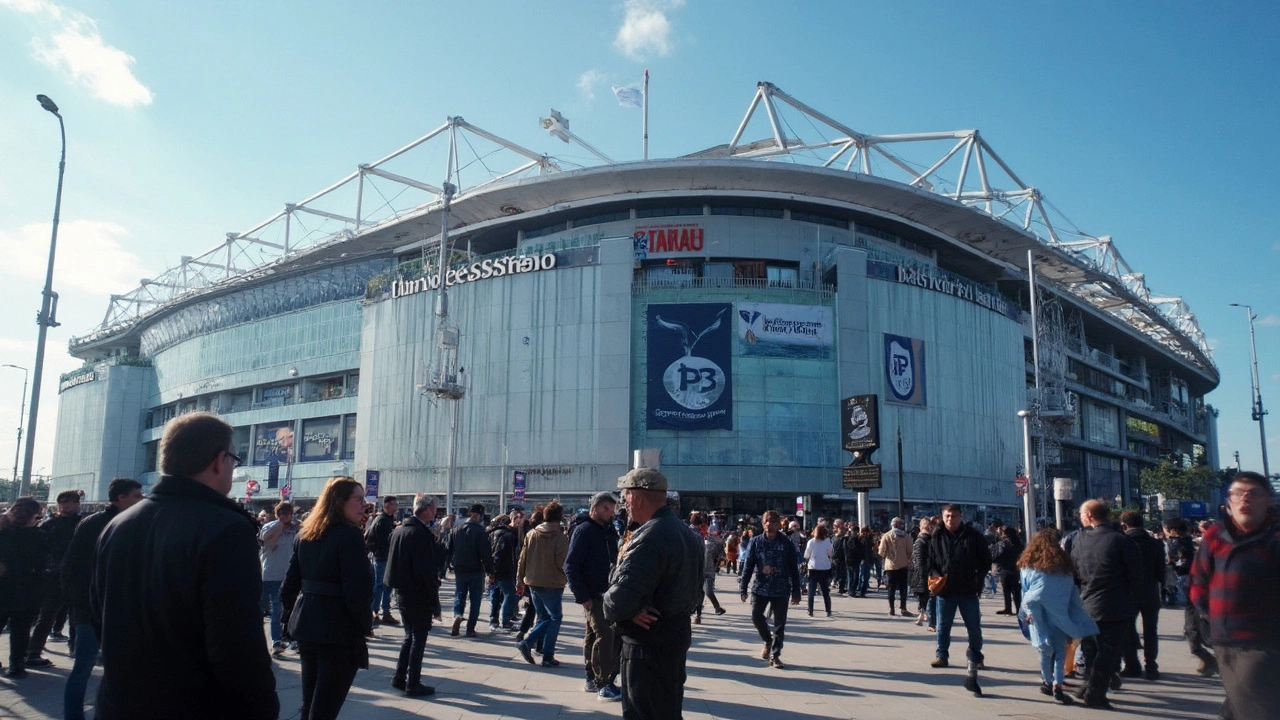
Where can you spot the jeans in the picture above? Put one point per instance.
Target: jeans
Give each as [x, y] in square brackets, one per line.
[1053, 661]
[820, 579]
[327, 672]
[653, 679]
[852, 574]
[503, 593]
[271, 589]
[86, 654]
[381, 593]
[709, 590]
[409, 664]
[1102, 657]
[548, 603]
[20, 622]
[468, 585]
[898, 585]
[972, 617]
[864, 576]
[778, 606]
[1184, 587]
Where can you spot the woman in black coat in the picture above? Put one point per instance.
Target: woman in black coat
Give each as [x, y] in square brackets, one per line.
[331, 570]
[1005, 555]
[24, 552]
[918, 576]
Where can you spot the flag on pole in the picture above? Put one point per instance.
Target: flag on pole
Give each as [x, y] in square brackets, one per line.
[628, 96]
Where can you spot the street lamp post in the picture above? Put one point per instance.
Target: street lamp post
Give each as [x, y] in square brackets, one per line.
[17, 448]
[1028, 499]
[48, 305]
[1256, 386]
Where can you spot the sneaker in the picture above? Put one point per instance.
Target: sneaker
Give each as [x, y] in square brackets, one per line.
[58, 636]
[399, 683]
[1151, 674]
[609, 693]
[38, 662]
[1062, 697]
[1004, 612]
[419, 690]
[697, 619]
[776, 662]
[939, 663]
[1046, 689]
[719, 611]
[387, 619]
[277, 649]
[15, 673]
[525, 652]
[550, 662]
[494, 627]
[1116, 683]
[591, 686]
[457, 627]
[293, 647]
[1132, 671]
[471, 634]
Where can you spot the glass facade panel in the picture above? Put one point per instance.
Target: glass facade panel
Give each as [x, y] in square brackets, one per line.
[273, 442]
[1102, 425]
[240, 440]
[322, 439]
[349, 445]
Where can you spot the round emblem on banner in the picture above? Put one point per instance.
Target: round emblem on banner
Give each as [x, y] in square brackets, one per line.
[902, 377]
[694, 382]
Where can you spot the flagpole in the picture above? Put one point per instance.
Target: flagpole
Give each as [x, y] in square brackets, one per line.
[645, 126]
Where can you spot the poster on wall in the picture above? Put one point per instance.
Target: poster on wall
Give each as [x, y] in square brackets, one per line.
[789, 331]
[689, 361]
[273, 443]
[904, 370]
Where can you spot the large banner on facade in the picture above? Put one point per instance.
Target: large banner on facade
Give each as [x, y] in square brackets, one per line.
[689, 361]
[791, 331]
[904, 370]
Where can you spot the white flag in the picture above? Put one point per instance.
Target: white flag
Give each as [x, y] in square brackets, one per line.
[628, 96]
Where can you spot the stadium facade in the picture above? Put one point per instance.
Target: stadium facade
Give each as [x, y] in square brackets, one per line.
[717, 308]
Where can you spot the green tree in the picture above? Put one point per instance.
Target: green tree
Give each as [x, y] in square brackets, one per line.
[1178, 483]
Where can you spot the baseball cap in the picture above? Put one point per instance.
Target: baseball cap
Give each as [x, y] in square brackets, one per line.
[643, 479]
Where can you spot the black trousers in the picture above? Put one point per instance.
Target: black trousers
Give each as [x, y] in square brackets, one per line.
[898, 584]
[1102, 657]
[53, 612]
[327, 672]
[1011, 583]
[1251, 677]
[653, 680]
[19, 634]
[1195, 629]
[409, 665]
[1150, 640]
[778, 607]
[841, 575]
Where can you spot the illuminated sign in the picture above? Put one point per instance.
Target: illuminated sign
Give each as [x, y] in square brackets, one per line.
[669, 238]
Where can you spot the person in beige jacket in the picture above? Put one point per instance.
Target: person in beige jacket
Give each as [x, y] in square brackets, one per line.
[541, 571]
[895, 548]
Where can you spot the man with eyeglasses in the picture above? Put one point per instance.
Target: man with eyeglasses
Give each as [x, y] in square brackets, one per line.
[176, 590]
[1235, 581]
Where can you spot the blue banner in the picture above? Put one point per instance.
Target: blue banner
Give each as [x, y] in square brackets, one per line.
[904, 370]
[689, 363]
[371, 478]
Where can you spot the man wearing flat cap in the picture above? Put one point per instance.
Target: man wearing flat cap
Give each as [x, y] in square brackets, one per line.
[656, 586]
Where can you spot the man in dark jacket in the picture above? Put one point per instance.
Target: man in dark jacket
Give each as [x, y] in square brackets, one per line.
[592, 548]
[472, 560]
[960, 554]
[656, 587]
[1147, 600]
[413, 571]
[53, 610]
[1109, 567]
[1235, 581]
[772, 560]
[176, 591]
[505, 545]
[377, 538]
[24, 553]
[77, 575]
[853, 554]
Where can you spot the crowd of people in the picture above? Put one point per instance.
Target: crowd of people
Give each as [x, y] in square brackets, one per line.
[171, 594]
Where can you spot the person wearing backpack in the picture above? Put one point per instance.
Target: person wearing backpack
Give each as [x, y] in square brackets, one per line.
[377, 540]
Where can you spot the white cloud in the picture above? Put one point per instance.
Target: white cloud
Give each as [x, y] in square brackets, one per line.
[73, 46]
[1270, 320]
[1212, 342]
[90, 256]
[587, 83]
[645, 28]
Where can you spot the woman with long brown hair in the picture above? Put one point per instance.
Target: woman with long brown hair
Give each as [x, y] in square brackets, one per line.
[1051, 608]
[330, 620]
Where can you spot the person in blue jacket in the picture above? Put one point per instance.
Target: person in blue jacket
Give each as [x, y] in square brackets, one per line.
[1051, 611]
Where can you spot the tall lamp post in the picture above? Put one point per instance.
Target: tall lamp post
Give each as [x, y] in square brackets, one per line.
[1256, 386]
[48, 306]
[17, 448]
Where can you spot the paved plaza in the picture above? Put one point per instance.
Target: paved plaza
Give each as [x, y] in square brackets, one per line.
[861, 663]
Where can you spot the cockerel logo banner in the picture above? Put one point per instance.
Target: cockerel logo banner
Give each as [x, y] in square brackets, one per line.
[689, 366]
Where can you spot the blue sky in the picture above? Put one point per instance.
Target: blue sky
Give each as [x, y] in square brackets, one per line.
[1152, 122]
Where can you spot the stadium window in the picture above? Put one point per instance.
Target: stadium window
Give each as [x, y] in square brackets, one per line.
[746, 211]
[548, 230]
[819, 219]
[781, 276]
[601, 219]
[749, 270]
[669, 211]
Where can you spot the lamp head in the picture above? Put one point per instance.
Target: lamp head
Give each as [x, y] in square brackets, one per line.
[47, 104]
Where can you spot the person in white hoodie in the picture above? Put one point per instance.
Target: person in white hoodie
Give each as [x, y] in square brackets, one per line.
[895, 548]
[817, 555]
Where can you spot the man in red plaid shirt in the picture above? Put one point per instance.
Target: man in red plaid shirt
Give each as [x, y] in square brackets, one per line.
[1235, 581]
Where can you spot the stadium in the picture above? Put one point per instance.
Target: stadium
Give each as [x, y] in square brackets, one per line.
[744, 315]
